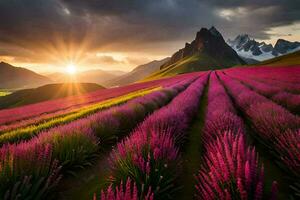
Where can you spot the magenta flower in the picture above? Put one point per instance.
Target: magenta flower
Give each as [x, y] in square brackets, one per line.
[274, 125]
[150, 155]
[126, 191]
[230, 170]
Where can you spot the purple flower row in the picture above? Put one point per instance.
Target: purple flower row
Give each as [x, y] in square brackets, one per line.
[277, 94]
[126, 191]
[150, 155]
[52, 108]
[286, 78]
[73, 144]
[275, 126]
[230, 169]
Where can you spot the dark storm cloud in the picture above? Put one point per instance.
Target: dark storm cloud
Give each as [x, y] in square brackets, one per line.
[148, 19]
[147, 25]
[262, 15]
[174, 19]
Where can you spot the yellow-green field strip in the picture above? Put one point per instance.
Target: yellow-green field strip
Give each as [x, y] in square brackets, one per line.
[28, 132]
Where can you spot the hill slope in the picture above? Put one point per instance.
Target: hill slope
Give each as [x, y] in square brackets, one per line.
[285, 60]
[46, 92]
[208, 51]
[17, 77]
[138, 73]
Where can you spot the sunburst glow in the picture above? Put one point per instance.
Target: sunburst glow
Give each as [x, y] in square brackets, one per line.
[71, 69]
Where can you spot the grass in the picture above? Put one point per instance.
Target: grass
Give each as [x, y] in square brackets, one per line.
[196, 62]
[185, 65]
[46, 92]
[29, 131]
[285, 60]
[87, 181]
[4, 93]
[192, 154]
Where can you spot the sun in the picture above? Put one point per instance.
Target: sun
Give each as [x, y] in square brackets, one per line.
[71, 69]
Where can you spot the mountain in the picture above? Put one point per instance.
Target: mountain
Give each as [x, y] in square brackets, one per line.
[250, 61]
[249, 48]
[116, 72]
[138, 73]
[96, 76]
[46, 92]
[291, 59]
[207, 51]
[92, 76]
[12, 77]
[284, 47]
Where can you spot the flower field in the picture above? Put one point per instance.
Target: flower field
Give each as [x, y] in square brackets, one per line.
[245, 120]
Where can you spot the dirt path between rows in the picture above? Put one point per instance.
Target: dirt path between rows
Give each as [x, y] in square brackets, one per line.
[192, 153]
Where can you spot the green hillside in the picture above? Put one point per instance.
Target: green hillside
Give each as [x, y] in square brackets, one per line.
[46, 92]
[285, 60]
[197, 62]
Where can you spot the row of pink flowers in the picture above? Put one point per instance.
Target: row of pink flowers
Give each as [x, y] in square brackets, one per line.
[73, 144]
[27, 134]
[150, 155]
[276, 93]
[286, 78]
[52, 108]
[230, 169]
[126, 191]
[276, 127]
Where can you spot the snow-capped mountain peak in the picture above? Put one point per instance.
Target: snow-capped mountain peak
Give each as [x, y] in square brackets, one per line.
[239, 41]
[249, 48]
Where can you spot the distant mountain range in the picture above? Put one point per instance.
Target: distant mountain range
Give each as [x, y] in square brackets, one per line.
[17, 78]
[207, 51]
[249, 48]
[93, 76]
[137, 73]
[12, 77]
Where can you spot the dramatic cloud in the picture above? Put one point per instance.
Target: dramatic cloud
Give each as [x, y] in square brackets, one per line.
[56, 31]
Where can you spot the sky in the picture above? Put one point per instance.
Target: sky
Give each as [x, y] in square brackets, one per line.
[48, 35]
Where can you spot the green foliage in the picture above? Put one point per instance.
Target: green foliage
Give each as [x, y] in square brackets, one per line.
[4, 93]
[159, 175]
[46, 92]
[74, 148]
